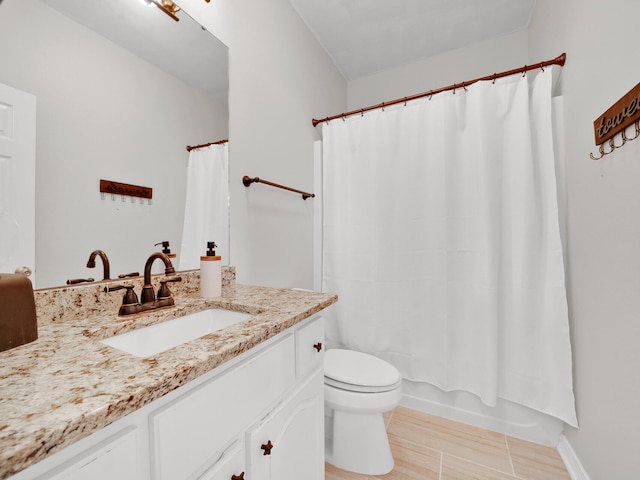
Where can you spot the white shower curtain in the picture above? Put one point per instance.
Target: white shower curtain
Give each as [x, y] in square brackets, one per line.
[441, 238]
[206, 212]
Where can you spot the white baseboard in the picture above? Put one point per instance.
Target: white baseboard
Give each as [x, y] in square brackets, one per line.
[571, 460]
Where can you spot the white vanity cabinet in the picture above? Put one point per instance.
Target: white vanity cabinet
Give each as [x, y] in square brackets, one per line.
[193, 430]
[214, 427]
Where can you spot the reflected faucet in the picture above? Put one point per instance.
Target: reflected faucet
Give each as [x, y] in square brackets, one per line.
[91, 263]
[148, 295]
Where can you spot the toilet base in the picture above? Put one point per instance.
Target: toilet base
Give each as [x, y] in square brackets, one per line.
[359, 443]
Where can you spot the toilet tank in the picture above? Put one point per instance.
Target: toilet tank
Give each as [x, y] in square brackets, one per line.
[18, 324]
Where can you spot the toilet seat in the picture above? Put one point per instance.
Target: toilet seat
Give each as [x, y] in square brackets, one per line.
[360, 388]
[359, 372]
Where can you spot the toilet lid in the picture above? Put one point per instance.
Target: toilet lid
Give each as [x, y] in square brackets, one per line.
[359, 369]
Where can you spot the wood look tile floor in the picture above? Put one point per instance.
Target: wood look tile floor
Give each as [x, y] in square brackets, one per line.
[426, 447]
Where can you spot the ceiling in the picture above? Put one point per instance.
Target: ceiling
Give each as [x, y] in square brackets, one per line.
[367, 36]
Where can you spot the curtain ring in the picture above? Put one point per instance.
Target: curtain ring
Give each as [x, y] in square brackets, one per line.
[541, 66]
[362, 112]
[383, 106]
[494, 79]
[454, 88]
[464, 86]
[405, 101]
[524, 71]
[430, 94]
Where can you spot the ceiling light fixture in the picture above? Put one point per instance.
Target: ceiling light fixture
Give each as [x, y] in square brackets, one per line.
[168, 7]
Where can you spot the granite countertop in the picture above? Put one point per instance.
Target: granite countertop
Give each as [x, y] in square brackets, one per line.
[66, 385]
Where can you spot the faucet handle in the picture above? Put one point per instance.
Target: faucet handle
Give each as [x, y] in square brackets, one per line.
[163, 291]
[132, 274]
[74, 281]
[175, 278]
[130, 297]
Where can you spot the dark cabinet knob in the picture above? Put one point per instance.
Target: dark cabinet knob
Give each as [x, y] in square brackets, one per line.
[238, 477]
[267, 447]
[318, 346]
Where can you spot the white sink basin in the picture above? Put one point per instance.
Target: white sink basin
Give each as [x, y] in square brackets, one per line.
[148, 341]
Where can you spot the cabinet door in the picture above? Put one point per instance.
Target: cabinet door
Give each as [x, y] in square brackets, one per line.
[289, 443]
[229, 466]
[115, 458]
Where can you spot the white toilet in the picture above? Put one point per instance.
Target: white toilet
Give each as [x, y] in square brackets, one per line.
[358, 389]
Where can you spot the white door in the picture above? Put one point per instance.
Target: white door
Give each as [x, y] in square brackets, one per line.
[17, 179]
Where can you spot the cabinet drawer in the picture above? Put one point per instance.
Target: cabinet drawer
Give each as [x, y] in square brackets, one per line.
[309, 347]
[116, 457]
[193, 429]
[230, 463]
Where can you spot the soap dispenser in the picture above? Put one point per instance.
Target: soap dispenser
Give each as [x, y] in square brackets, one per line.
[158, 267]
[166, 250]
[210, 273]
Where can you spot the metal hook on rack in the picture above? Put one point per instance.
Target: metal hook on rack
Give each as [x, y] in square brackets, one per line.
[637, 128]
[602, 152]
[612, 143]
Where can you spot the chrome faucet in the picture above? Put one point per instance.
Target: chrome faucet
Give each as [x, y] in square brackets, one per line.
[148, 299]
[91, 263]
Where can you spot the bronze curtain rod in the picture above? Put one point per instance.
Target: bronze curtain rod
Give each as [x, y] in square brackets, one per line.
[247, 181]
[560, 60]
[219, 142]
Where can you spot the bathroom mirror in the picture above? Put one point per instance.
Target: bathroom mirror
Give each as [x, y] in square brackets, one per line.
[121, 91]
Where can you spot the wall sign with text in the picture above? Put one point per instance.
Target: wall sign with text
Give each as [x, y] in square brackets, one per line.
[616, 120]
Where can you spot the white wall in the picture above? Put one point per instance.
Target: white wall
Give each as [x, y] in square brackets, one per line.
[102, 113]
[280, 78]
[603, 201]
[473, 61]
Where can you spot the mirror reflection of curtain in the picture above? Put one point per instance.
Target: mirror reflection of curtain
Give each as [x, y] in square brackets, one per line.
[206, 213]
[442, 240]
